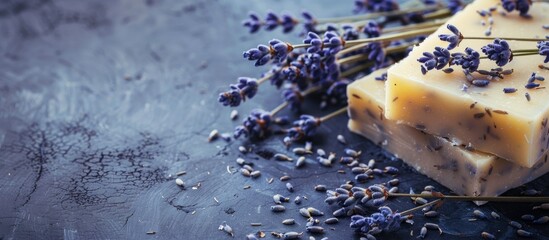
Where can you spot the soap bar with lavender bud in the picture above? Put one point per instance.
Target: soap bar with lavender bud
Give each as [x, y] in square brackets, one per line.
[462, 170]
[498, 105]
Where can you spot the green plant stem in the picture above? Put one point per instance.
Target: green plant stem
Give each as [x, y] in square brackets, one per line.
[419, 207]
[356, 69]
[506, 38]
[388, 50]
[438, 14]
[434, 23]
[264, 78]
[382, 38]
[377, 15]
[333, 114]
[283, 105]
[517, 55]
[475, 198]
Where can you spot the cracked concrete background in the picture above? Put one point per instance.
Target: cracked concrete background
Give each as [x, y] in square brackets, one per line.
[103, 102]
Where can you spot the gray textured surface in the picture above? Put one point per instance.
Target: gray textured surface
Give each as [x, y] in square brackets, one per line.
[102, 102]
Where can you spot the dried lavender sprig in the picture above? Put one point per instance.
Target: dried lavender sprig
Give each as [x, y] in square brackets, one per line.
[434, 23]
[420, 207]
[474, 198]
[379, 14]
[397, 36]
[388, 50]
[333, 114]
[283, 105]
[506, 38]
[306, 126]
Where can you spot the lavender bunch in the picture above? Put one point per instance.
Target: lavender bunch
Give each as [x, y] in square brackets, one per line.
[321, 64]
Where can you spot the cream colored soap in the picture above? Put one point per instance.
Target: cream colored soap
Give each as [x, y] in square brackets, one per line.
[485, 118]
[462, 171]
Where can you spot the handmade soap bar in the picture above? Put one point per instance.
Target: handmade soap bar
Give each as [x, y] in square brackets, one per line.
[508, 125]
[462, 171]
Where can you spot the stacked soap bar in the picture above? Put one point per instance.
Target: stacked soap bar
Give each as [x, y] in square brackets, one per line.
[509, 125]
[461, 170]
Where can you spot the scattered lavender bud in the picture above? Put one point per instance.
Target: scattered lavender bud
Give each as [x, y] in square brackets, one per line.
[300, 162]
[234, 114]
[341, 139]
[479, 214]
[225, 136]
[391, 170]
[393, 190]
[362, 178]
[321, 152]
[422, 232]
[315, 229]
[524, 233]
[332, 220]
[527, 217]
[531, 85]
[301, 151]
[340, 212]
[431, 214]
[527, 95]
[304, 212]
[255, 174]
[495, 215]
[420, 201]
[226, 228]
[393, 182]
[242, 149]
[541, 220]
[290, 187]
[297, 200]
[433, 226]
[282, 157]
[247, 167]
[509, 90]
[320, 188]
[289, 221]
[346, 160]
[488, 236]
[245, 172]
[532, 77]
[285, 178]
[544, 206]
[292, 235]
[214, 134]
[240, 161]
[251, 236]
[371, 163]
[480, 82]
[278, 208]
[179, 182]
[315, 212]
[531, 192]
[278, 199]
[515, 224]
[352, 152]
[448, 70]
